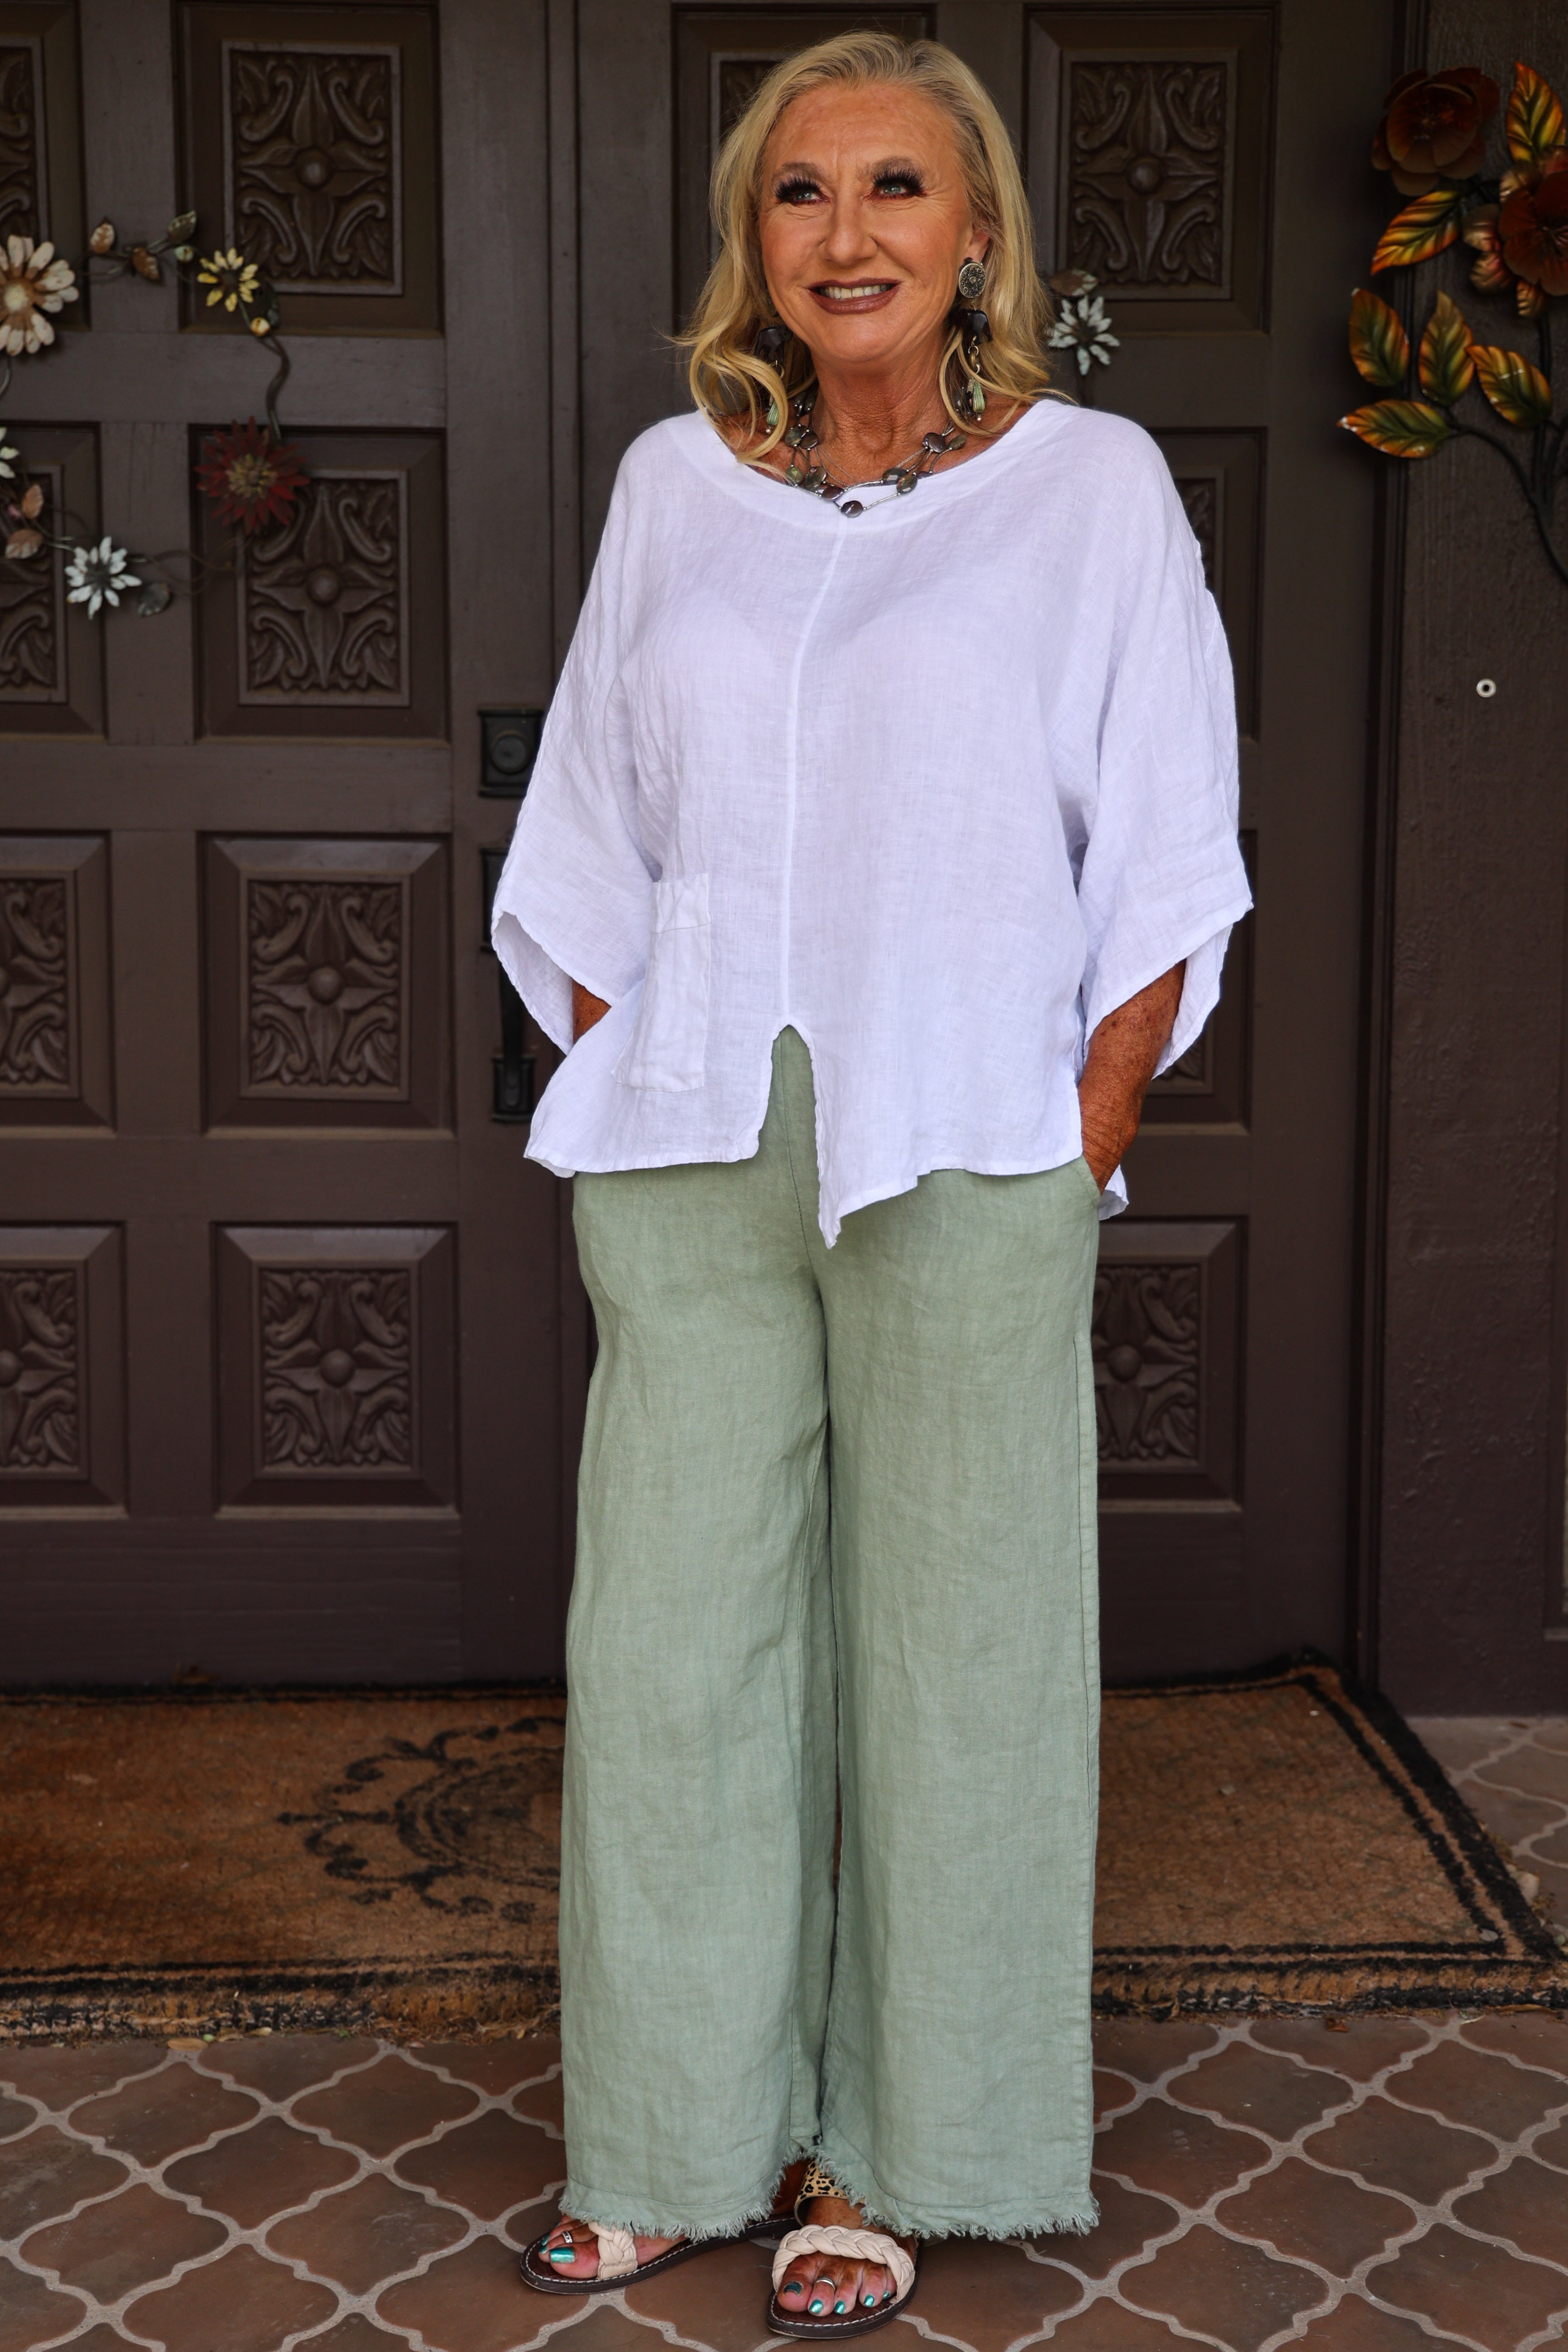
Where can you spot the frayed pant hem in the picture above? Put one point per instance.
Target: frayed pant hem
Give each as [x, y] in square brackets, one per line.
[855, 2177]
[587, 2204]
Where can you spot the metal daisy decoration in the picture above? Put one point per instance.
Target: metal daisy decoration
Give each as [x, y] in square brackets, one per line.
[96, 575]
[250, 473]
[1082, 324]
[250, 477]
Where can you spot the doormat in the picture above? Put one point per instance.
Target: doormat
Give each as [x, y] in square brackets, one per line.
[1281, 1839]
[199, 1862]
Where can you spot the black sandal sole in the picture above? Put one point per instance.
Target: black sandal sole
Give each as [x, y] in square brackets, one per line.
[786, 2322]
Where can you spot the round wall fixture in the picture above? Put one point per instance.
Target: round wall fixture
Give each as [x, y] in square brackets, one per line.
[1486, 687]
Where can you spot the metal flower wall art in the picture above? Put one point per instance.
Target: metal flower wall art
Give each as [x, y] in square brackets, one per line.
[250, 474]
[1081, 325]
[1432, 142]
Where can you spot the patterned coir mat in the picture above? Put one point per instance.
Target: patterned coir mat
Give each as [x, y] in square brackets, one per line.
[1281, 1839]
[186, 1862]
[193, 1860]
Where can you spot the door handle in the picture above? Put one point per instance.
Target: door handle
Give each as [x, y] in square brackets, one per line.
[511, 1070]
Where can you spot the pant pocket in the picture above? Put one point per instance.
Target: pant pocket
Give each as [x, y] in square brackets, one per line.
[1086, 1172]
[668, 1050]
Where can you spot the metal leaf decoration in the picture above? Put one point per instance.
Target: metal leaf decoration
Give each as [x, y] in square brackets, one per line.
[1535, 124]
[1447, 370]
[1422, 229]
[1520, 392]
[1379, 344]
[1438, 141]
[1400, 428]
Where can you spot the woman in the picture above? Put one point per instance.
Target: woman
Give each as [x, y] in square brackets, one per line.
[880, 848]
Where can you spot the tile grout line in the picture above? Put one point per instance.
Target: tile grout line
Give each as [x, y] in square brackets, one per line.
[366, 2167]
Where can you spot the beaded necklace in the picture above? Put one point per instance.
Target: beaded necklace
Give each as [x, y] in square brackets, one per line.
[803, 440]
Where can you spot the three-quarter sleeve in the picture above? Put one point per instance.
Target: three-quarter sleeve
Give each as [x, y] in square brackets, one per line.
[575, 894]
[1161, 879]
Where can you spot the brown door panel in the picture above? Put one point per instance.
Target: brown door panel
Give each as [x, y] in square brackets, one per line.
[245, 1125]
[281, 1331]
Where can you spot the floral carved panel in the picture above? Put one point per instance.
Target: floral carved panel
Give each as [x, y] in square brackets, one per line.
[337, 1347]
[323, 600]
[41, 1371]
[1193, 1072]
[1147, 1335]
[1147, 173]
[313, 168]
[1201, 496]
[36, 1039]
[1166, 1329]
[326, 988]
[32, 616]
[22, 206]
[337, 1389]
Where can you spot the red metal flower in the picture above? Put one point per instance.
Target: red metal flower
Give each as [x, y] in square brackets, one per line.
[250, 478]
[1533, 226]
[1432, 128]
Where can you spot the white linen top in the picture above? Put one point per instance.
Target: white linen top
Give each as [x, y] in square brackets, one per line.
[939, 786]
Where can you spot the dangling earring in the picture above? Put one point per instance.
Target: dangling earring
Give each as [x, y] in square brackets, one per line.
[973, 325]
[769, 346]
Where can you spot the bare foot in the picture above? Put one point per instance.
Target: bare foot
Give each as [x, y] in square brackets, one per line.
[572, 2249]
[831, 2286]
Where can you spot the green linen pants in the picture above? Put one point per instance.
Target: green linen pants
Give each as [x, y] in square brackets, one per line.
[836, 1542]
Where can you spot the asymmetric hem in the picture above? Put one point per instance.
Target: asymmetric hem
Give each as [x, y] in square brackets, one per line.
[937, 786]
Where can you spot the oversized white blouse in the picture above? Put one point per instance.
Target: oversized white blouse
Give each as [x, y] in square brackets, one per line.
[939, 786]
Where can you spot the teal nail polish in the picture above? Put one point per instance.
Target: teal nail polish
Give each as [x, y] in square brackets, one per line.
[560, 2253]
[815, 2306]
[841, 2306]
[868, 2298]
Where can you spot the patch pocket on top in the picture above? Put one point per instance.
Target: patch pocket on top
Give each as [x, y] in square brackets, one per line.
[667, 1051]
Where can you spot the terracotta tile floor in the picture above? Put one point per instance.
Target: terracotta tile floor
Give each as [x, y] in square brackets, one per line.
[1376, 2186]
[1513, 1772]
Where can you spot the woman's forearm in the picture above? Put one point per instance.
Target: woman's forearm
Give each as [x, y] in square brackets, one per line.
[1122, 1054]
[586, 1008]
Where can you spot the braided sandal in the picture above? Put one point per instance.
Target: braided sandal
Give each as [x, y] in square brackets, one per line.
[618, 2263]
[828, 2238]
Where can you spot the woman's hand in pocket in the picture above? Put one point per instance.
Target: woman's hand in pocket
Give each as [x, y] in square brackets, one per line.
[586, 1008]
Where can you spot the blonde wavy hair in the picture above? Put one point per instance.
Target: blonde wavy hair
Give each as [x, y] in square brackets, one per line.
[727, 374]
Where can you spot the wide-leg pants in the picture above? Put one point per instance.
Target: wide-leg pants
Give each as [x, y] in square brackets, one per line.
[836, 1542]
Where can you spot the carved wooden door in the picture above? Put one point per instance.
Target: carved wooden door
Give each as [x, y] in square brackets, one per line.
[1204, 164]
[281, 1339]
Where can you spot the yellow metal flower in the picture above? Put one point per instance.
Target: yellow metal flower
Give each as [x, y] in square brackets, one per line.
[31, 282]
[233, 280]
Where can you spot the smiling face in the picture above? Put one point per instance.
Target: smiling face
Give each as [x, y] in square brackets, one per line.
[865, 222]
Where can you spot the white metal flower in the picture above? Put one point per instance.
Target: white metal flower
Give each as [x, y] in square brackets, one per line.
[1083, 326]
[95, 575]
[31, 282]
[7, 471]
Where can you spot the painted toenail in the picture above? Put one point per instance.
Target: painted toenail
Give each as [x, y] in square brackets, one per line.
[868, 2298]
[841, 2306]
[815, 2306]
[560, 2253]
